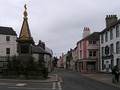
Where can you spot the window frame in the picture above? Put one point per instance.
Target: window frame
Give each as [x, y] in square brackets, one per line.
[94, 53]
[111, 48]
[8, 51]
[117, 47]
[102, 38]
[90, 54]
[7, 38]
[111, 34]
[90, 42]
[94, 42]
[106, 36]
[117, 31]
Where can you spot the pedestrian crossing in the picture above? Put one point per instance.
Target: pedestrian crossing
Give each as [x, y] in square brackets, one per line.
[57, 85]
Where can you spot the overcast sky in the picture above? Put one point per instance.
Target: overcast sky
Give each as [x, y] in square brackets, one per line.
[58, 23]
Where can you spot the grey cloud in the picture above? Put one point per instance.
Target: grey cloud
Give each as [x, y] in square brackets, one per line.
[59, 23]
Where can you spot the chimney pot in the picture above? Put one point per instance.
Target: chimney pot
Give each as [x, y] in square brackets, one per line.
[86, 32]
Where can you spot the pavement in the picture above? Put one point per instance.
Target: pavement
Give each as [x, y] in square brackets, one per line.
[102, 77]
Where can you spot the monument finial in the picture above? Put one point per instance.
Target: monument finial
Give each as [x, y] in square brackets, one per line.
[25, 12]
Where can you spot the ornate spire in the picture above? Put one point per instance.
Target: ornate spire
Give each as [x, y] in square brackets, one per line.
[25, 33]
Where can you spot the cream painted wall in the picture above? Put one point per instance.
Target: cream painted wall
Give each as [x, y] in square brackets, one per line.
[12, 44]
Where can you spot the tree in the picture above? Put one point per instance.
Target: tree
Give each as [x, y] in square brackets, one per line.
[55, 59]
[41, 64]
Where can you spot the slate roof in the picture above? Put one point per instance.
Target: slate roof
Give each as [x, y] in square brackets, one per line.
[112, 25]
[38, 49]
[49, 50]
[7, 31]
[93, 36]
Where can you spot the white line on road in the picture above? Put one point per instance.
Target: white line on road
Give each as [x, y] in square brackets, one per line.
[59, 86]
[29, 88]
[20, 84]
[54, 85]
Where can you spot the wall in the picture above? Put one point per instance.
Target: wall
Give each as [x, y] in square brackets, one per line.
[12, 45]
[113, 41]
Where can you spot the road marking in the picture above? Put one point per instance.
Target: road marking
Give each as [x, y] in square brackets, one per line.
[20, 84]
[54, 85]
[13, 84]
[29, 88]
[59, 86]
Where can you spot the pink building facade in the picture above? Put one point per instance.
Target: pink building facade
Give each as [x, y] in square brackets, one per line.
[88, 52]
[60, 62]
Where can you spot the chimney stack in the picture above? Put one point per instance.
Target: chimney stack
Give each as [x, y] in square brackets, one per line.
[41, 44]
[86, 32]
[110, 19]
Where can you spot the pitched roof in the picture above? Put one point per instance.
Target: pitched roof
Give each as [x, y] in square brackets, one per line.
[48, 50]
[7, 31]
[25, 31]
[112, 25]
[38, 49]
[93, 36]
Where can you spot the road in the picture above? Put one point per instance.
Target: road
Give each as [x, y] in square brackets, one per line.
[29, 86]
[68, 80]
[75, 81]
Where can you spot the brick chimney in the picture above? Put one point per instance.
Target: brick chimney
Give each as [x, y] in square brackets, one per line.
[86, 32]
[110, 19]
[41, 44]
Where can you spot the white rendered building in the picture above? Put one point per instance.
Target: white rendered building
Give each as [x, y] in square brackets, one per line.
[8, 45]
[110, 44]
